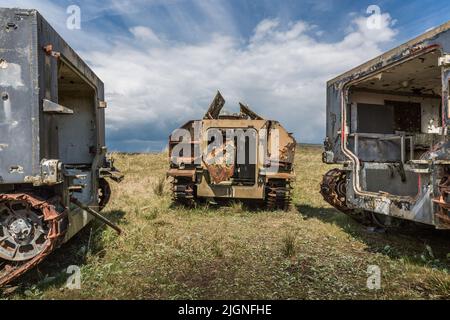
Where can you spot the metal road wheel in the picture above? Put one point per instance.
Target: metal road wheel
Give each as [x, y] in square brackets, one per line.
[30, 229]
[104, 193]
[23, 231]
[333, 190]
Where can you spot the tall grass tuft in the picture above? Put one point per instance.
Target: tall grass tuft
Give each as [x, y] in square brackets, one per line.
[159, 186]
[288, 241]
[236, 207]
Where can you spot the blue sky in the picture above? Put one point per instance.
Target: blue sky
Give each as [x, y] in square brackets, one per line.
[162, 61]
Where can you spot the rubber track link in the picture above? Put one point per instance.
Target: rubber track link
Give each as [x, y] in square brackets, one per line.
[278, 196]
[183, 192]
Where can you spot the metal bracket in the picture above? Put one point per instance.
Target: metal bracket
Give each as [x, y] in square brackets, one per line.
[328, 157]
[51, 174]
[109, 171]
[52, 107]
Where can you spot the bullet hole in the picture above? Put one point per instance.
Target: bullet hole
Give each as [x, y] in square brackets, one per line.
[5, 96]
[11, 26]
[16, 169]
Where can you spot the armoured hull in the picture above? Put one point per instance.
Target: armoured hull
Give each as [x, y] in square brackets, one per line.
[52, 142]
[387, 126]
[240, 156]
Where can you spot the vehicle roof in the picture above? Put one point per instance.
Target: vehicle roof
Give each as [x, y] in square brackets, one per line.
[393, 52]
[72, 55]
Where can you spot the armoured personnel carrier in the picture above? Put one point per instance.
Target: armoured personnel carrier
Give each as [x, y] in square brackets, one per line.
[52, 142]
[232, 156]
[387, 126]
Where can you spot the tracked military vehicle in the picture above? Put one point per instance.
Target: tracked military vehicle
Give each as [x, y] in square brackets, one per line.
[387, 126]
[232, 156]
[53, 164]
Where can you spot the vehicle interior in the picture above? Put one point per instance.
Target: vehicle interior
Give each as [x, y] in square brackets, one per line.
[76, 131]
[394, 117]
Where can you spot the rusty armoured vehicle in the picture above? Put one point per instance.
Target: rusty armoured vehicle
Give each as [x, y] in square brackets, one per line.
[388, 126]
[53, 163]
[232, 157]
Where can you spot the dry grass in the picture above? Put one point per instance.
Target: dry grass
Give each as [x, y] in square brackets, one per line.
[311, 252]
[159, 186]
[289, 244]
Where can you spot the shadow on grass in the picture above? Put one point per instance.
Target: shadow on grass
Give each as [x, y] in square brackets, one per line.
[221, 205]
[418, 244]
[52, 272]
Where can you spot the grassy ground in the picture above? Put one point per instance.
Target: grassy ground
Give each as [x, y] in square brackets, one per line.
[311, 252]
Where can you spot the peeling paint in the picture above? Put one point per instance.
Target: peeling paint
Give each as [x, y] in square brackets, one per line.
[11, 75]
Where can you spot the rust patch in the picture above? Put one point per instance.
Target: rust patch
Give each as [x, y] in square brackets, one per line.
[281, 175]
[287, 152]
[49, 51]
[442, 201]
[220, 162]
[220, 173]
[181, 173]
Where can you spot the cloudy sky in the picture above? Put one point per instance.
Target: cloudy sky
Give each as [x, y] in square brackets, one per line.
[163, 60]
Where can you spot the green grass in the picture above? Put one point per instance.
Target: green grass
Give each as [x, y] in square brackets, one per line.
[311, 252]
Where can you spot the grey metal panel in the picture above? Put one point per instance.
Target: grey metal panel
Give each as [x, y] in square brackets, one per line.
[420, 211]
[19, 154]
[372, 150]
[390, 181]
[334, 122]
[76, 132]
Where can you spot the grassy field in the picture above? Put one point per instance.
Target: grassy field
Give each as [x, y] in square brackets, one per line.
[311, 252]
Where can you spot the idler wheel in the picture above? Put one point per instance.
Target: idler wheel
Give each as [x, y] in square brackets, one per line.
[23, 231]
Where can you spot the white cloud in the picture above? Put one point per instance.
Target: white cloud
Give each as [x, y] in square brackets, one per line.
[154, 84]
[145, 34]
[280, 72]
[382, 31]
